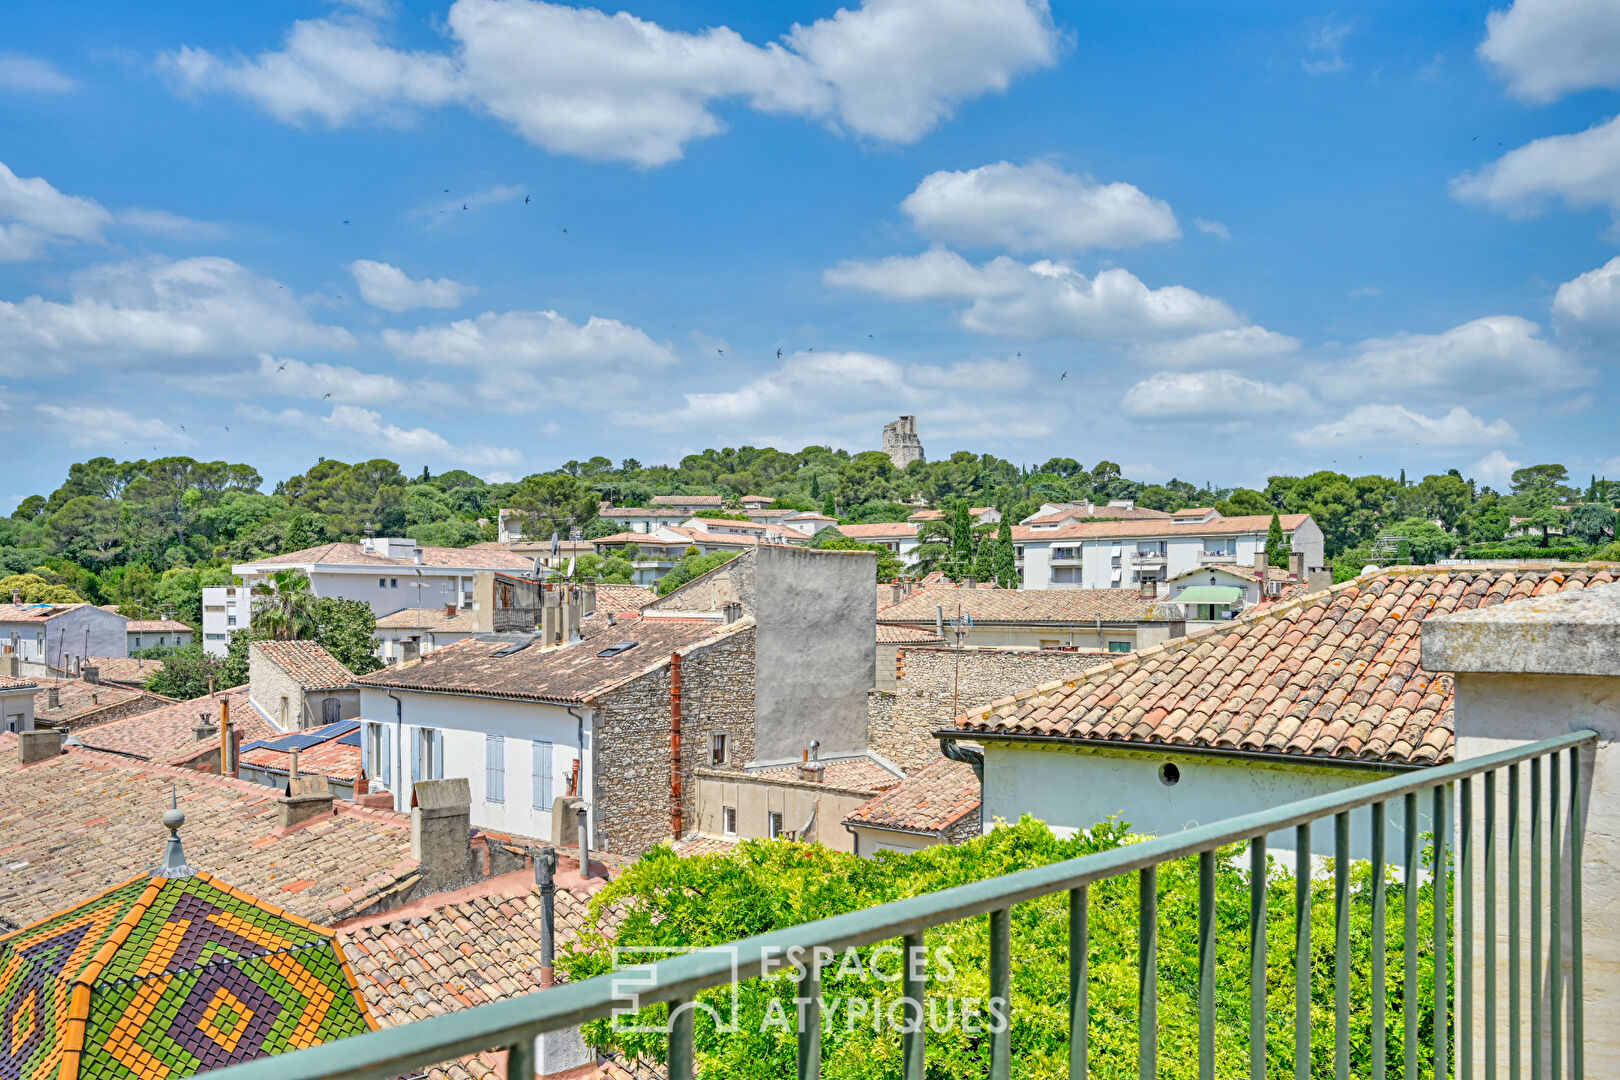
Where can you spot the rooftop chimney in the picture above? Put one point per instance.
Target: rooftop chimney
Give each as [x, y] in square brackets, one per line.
[731, 612]
[53, 697]
[38, 744]
[449, 610]
[970, 582]
[307, 798]
[1296, 564]
[440, 826]
[205, 729]
[91, 673]
[16, 596]
[811, 769]
[1261, 563]
[550, 616]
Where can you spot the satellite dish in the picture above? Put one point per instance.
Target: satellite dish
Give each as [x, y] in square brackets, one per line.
[1370, 568]
[570, 572]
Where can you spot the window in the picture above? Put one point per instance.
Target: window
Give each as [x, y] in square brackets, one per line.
[428, 761]
[717, 748]
[495, 768]
[393, 583]
[1169, 775]
[283, 714]
[1119, 646]
[728, 820]
[377, 761]
[215, 637]
[542, 775]
[1050, 643]
[230, 620]
[776, 824]
[137, 642]
[382, 583]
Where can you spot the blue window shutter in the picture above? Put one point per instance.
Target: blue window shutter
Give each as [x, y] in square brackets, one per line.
[542, 775]
[495, 768]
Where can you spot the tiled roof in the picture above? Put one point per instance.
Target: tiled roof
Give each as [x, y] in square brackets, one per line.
[1273, 573]
[855, 774]
[930, 800]
[461, 955]
[411, 618]
[163, 734]
[693, 846]
[1102, 513]
[474, 558]
[673, 512]
[84, 821]
[904, 635]
[168, 977]
[1108, 530]
[618, 599]
[9, 683]
[572, 673]
[1332, 675]
[306, 662]
[1024, 605]
[336, 754]
[687, 500]
[78, 700]
[35, 612]
[683, 540]
[879, 530]
[124, 669]
[156, 626]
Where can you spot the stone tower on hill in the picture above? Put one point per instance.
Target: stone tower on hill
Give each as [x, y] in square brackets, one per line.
[900, 442]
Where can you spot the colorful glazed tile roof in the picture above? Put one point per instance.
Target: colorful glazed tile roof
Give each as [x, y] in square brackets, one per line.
[930, 800]
[1336, 674]
[168, 977]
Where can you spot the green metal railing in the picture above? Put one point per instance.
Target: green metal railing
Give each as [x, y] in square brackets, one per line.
[1554, 813]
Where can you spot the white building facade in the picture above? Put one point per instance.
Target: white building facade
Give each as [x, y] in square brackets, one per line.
[1129, 554]
[225, 610]
[61, 635]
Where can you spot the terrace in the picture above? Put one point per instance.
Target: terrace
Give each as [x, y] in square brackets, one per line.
[1528, 812]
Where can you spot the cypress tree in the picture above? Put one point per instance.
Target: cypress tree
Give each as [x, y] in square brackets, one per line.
[1006, 559]
[829, 508]
[1276, 545]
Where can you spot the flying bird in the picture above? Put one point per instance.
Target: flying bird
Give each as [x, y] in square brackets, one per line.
[722, 352]
[323, 398]
[464, 206]
[779, 354]
[282, 368]
[447, 191]
[565, 230]
[182, 427]
[525, 200]
[227, 428]
[1063, 376]
[1474, 139]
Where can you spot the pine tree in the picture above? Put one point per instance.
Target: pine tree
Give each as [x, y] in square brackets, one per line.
[815, 488]
[1006, 558]
[1403, 478]
[984, 562]
[1276, 544]
[961, 540]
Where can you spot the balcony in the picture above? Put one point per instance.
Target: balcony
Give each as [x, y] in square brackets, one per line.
[1150, 558]
[1066, 559]
[1206, 557]
[1478, 1011]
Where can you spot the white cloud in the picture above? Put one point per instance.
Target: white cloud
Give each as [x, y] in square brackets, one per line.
[1495, 469]
[1213, 228]
[1213, 396]
[164, 223]
[1240, 345]
[94, 425]
[1497, 356]
[1387, 426]
[1036, 207]
[1582, 169]
[1041, 299]
[333, 71]
[386, 286]
[1547, 48]
[1324, 45]
[439, 211]
[615, 87]
[32, 75]
[33, 214]
[1589, 305]
[1362, 291]
[287, 377]
[168, 311]
[370, 434]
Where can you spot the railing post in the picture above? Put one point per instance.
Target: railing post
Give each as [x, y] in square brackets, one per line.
[1380, 941]
[1147, 974]
[912, 1044]
[1001, 987]
[1465, 950]
[1409, 935]
[1302, 953]
[682, 1055]
[1258, 895]
[1206, 965]
[809, 991]
[1341, 947]
[1536, 987]
[1442, 870]
[1555, 936]
[1577, 989]
[1079, 982]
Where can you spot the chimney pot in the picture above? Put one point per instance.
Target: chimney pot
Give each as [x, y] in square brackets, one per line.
[812, 772]
[307, 798]
[53, 697]
[91, 673]
[38, 745]
[1296, 564]
[292, 764]
[16, 596]
[449, 611]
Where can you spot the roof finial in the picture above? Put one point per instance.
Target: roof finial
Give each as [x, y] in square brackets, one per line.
[174, 856]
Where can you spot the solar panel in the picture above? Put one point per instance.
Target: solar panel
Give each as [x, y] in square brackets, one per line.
[618, 647]
[352, 738]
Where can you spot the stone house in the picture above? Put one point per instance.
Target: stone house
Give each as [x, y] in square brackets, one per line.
[299, 685]
[741, 668]
[77, 703]
[1116, 620]
[797, 802]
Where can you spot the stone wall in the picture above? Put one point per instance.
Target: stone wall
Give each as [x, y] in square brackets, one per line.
[632, 746]
[930, 693]
[731, 582]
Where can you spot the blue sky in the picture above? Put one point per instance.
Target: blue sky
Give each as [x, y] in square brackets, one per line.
[1258, 238]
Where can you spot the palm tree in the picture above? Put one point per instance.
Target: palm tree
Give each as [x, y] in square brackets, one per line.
[286, 607]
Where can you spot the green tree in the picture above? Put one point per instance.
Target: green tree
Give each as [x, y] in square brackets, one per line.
[1547, 519]
[1550, 481]
[346, 629]
[1425, 541]
[889, 565]
[282, 606]
[1006, 557]
[984, 559]
[36, 590]
[188, 672]
[1276, 544]
[830, 508]
[692, 565]
[1592, 522]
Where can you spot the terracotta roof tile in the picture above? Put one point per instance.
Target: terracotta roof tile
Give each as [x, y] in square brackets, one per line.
[1028, 605]
[571, 673]
[1335, 674]
[905, 635]
[857, 774]
[156, 626]
[1105, 530]
[331, 757]
[930, 800]
[128, 670]
[618, 599]
[162, 734]
[306, 662]
[476, 557]
[434, 619]
[79, 701]
[880, 530]
[82, 822]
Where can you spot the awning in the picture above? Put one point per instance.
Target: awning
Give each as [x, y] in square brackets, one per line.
[1209, 594]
